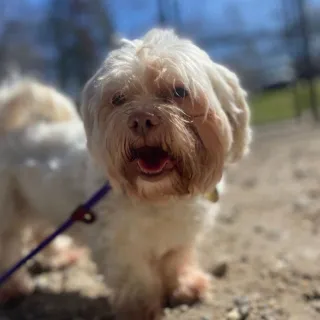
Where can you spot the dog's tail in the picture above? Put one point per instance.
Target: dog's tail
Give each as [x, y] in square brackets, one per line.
[24, 101]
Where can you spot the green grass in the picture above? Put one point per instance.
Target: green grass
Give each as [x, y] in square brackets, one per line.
[279, 104]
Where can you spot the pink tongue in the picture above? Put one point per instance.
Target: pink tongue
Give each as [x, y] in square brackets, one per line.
[153, 166]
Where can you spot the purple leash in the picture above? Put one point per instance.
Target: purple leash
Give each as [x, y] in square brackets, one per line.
[82, 213]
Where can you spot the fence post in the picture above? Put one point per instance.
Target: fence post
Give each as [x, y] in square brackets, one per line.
[307, 58]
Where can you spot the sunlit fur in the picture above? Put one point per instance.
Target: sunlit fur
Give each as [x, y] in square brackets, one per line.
[25, 100]
[202, 131]
[148, 231]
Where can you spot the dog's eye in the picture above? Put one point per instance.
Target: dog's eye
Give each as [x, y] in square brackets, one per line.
[118, 99]
[180, 92]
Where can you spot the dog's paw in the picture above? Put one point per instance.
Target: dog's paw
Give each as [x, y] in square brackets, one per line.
[193, 286]
[65, 257]
[61, 253]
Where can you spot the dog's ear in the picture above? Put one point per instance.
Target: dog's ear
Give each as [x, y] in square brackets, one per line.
[93, 90]
[233, 100]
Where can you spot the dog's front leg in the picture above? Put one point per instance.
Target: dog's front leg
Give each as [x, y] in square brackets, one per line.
[137, 292]
[184, 281]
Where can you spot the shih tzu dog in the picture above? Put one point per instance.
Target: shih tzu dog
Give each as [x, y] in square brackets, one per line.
[161, 122]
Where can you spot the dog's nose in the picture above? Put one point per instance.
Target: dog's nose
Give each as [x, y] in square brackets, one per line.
[142, 123]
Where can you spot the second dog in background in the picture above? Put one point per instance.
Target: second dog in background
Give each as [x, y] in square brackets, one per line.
[27, 103]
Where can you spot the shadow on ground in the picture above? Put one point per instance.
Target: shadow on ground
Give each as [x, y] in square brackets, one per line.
[62, 306]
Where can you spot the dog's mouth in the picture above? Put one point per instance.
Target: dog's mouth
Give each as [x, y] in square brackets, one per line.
[152, 161]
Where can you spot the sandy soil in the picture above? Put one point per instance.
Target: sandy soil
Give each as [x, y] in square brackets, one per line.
[264, 252]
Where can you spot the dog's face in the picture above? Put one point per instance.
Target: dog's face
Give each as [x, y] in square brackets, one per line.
[163, 119]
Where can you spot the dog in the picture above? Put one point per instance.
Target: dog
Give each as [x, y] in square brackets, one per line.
[161, 121]
[23, 102]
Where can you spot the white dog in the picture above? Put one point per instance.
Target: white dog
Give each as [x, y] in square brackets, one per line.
[162, 121]
[25, 101]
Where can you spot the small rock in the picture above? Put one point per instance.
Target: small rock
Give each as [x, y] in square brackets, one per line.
[258, 229]
[300, 173]
[314, 194]
[234, 314]
[184, 308]
[220, 269]
[267, 317]
[264, 273]
[316, 292]
[280, 286]
[239, 301]
[244, 258]
[255, 296]
[314, 295]
[273, 235]
[272, 302]
[243, 306]
[250, 183]
[230, 216]
[244, 311]
[301, 204]
[316, 305]
[279, 265]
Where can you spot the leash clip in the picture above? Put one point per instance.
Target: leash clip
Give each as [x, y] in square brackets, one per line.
[82, 214]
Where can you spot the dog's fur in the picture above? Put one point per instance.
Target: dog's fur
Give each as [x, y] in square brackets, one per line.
[24, 101]
[146, 239]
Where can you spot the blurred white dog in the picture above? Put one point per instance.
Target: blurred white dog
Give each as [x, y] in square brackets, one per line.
[162, 121]
[25, 102]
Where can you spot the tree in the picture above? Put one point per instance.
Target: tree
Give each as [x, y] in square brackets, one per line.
[18, 50]
[77, 31]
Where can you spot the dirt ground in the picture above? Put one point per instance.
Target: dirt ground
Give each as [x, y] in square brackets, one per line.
[264, 252]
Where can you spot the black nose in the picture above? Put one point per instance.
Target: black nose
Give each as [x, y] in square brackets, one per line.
[141, 123]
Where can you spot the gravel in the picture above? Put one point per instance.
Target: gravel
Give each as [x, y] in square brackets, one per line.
[268, 230]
